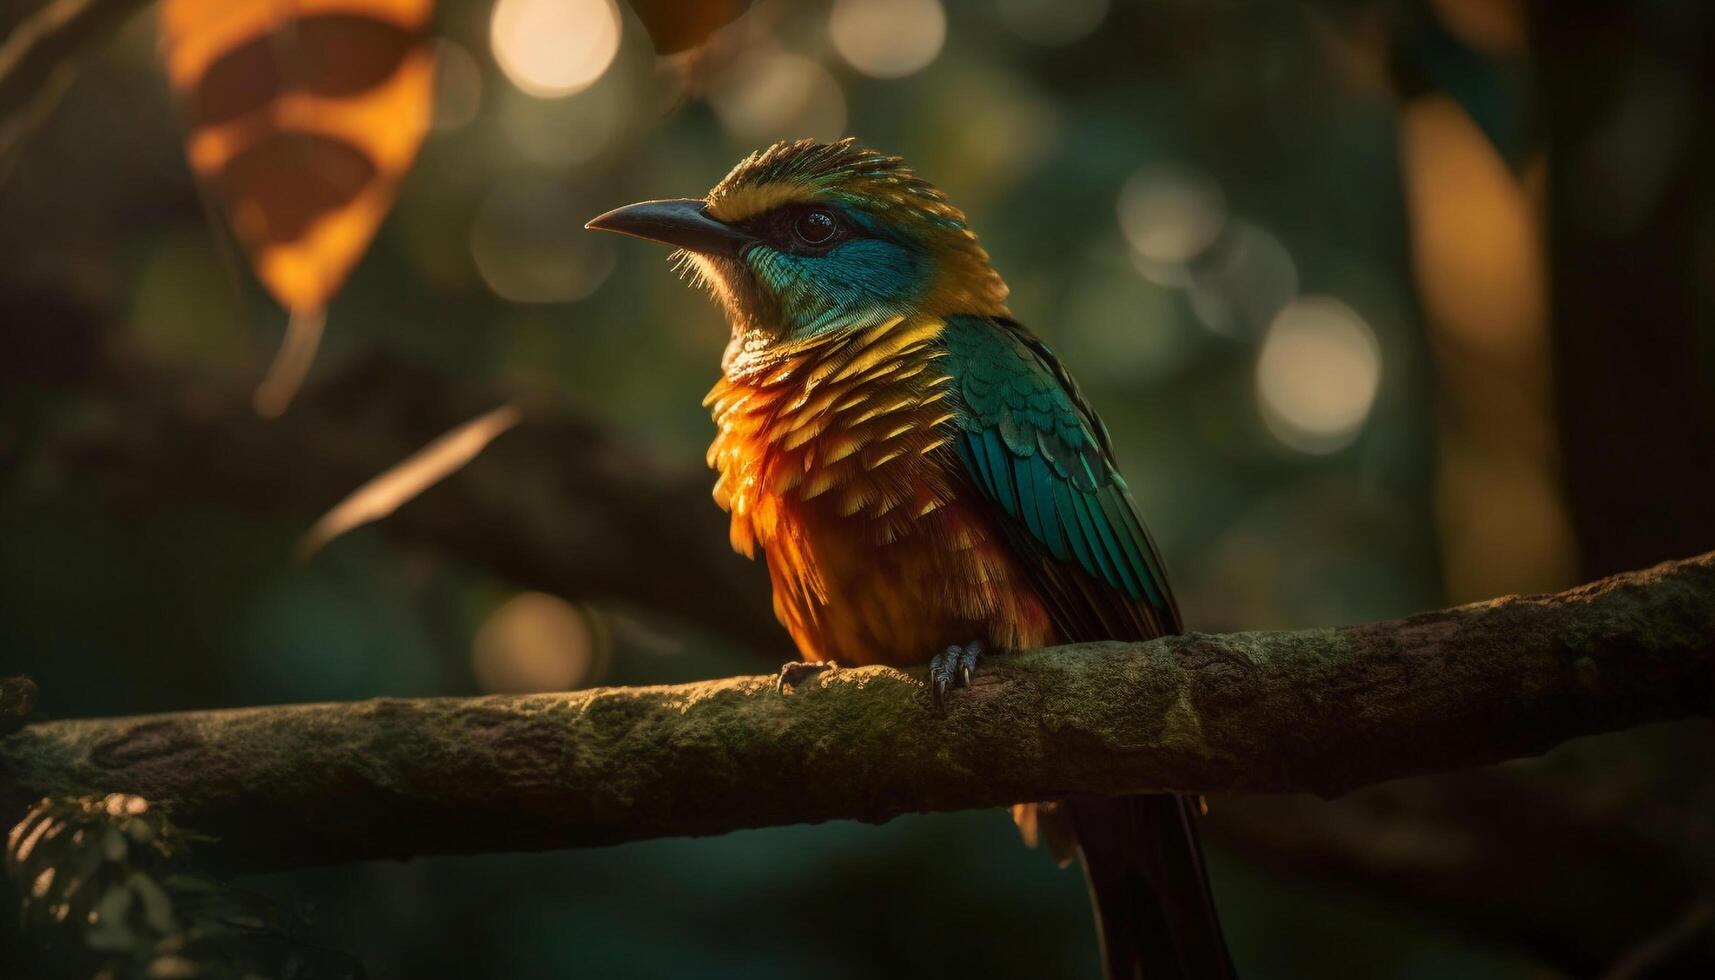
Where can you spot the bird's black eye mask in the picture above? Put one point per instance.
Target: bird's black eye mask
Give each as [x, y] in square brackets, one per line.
[803, 229]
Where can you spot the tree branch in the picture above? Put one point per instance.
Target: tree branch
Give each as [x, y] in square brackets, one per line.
[563, 502]
[1323, 710]
[157, 438]
[1577, 874]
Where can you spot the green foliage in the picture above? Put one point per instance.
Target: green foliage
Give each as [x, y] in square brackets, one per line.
[105, 894]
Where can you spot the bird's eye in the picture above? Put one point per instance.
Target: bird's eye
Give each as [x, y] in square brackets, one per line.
[815, 227]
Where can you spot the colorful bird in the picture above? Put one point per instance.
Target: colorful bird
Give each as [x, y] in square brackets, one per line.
[925, 481]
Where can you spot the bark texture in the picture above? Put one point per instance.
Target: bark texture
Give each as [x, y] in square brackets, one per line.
[1324, 710]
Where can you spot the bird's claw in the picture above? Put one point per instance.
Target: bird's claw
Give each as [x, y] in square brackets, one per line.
[952, 668]
[791, 674]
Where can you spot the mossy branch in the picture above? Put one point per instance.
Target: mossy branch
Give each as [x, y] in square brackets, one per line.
[1324, 710]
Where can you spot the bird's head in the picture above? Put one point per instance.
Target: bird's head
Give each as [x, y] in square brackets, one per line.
[805, 240]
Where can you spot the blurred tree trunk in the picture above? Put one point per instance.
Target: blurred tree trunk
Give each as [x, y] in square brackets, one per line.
[1631, 196]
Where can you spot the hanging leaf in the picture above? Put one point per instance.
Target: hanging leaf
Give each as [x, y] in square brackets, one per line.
[303, 117]
[675, 25]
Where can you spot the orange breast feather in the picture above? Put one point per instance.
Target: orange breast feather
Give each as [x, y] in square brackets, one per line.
[834, 461]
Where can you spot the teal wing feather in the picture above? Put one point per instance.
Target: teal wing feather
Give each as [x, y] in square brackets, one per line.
[1032, 446]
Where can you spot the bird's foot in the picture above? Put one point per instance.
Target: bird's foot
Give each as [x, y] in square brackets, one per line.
[952, 668]
[793, 673]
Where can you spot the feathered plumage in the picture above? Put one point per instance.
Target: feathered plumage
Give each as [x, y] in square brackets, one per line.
[920, 471]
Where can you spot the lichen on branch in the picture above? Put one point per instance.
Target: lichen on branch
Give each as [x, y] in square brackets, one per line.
[1325, 710]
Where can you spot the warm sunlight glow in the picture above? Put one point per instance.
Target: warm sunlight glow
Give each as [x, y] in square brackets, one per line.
[1475, 241]
[1170, 216]
[534, 642]
[553, 48]
[560, 133]
[1317, 374]
[771, 94]
[888, 38]
[1000, 126]
[529, 245]
[1494, 27]
[1240, 283]
[458, 86]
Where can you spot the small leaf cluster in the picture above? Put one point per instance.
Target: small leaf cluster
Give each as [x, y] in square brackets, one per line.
[105, 894]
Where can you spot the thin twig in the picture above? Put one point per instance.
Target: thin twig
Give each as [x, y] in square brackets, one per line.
[37, 61]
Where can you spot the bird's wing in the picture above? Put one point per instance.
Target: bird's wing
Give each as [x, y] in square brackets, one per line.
[1033, 447]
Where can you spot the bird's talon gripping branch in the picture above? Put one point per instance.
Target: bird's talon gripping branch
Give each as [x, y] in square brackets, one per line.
[968, 662]
[793, 673]
[941, 674]
[952, 668]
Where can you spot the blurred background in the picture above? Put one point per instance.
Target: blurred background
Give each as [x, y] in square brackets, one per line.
[1388, 303]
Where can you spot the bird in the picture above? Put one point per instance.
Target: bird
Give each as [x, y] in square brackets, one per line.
[926, 483]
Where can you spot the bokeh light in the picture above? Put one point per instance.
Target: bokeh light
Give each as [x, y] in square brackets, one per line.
[771, 94]
[888, 38]
[1479, 251]
[1495, 27]
[566, 132]
[533, 642]
[1121, 329]
[1170, 216]
[1052, 22]
[1317, 374]
[1238, 286]
[1475, 240]
[180, 290]
[993, 128]
[529, 243]
[1273, 154]
[1503, 519]
[553, 48]
[458, 86]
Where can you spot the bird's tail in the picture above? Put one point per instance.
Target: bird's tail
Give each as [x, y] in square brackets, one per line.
[1154, 911]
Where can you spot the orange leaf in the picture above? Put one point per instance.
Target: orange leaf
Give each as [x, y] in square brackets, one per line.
[303, 115]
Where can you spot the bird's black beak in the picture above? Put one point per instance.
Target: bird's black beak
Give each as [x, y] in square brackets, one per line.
[683, 224]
